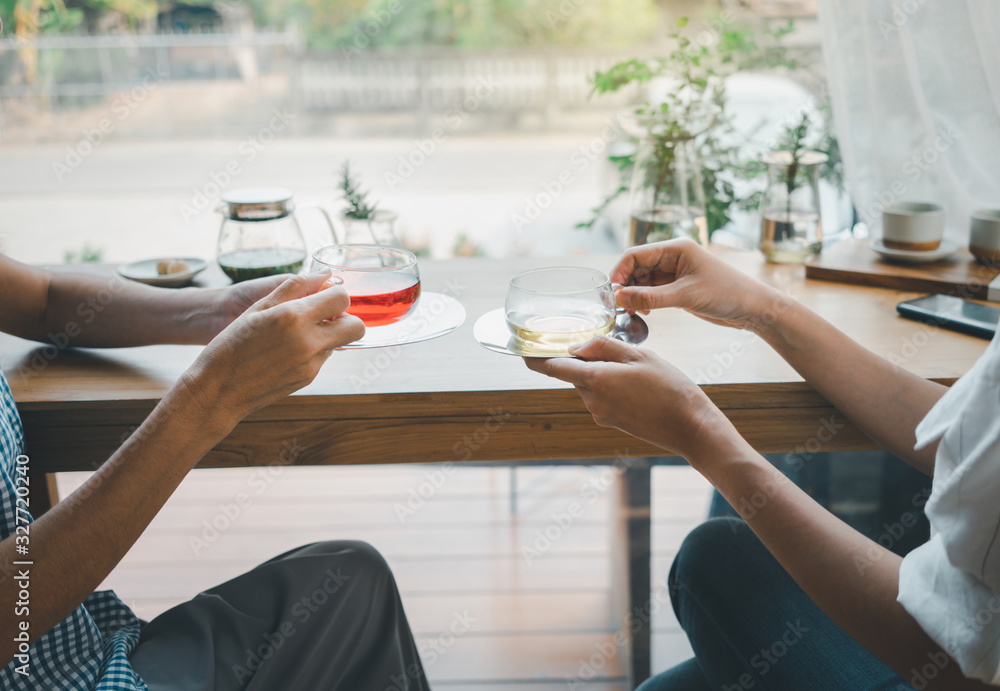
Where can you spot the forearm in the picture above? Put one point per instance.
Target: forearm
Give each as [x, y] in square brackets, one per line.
[109, 311]
[76, 544]
[851, 578]
[884, 400]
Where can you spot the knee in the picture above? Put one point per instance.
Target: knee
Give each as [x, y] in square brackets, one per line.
[713, 547]
[353, 563]
[708, 546]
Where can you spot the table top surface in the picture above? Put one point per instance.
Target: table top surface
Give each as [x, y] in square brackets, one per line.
[456, 363]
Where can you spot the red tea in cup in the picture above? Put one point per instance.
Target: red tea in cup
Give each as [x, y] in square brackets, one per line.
[382, 282]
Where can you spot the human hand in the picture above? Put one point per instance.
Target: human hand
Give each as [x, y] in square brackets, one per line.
[638, 392]
[236, 299]
[275, 347]
[681, 273]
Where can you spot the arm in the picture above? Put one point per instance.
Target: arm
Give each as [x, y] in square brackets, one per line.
[884, 400]
[81, 309]
[282, 341]
[852, 579]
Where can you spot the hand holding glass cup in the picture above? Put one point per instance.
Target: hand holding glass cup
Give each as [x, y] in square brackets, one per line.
[557, 307]
[382, 282]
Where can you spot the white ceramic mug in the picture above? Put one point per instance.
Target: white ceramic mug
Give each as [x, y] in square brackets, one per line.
[984, 235]
[913, 226]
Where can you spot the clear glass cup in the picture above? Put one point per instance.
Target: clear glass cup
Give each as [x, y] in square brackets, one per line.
[560, 306]
[383, 282]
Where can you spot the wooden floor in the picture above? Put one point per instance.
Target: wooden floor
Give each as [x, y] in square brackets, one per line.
[458, 549]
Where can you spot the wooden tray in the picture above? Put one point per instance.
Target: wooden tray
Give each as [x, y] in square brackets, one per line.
[851, 261]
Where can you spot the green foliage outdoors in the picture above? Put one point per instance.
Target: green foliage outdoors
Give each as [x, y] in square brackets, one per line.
[84, 255]
[469, 23]
[343, 24]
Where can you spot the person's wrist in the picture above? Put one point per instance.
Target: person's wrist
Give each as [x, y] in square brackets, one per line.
[712, 440]
[766, 306]
[217, 308]
[199, 314]
[201, 391]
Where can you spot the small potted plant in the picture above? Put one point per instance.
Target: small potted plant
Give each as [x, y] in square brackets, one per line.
[364, 223]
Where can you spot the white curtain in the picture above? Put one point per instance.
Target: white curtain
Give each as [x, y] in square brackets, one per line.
[915, 92]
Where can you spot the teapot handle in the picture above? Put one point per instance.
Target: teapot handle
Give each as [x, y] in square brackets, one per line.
[326, 215]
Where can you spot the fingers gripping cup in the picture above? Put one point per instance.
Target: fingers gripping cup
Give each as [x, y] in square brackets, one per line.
[382, 282]
[561, 306]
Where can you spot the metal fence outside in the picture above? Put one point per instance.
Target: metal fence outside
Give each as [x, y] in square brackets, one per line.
[213, 83]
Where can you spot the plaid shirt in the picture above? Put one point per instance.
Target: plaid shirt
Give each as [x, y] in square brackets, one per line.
[89, 649]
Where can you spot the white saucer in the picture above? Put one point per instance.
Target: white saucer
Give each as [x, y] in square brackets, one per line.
[944, 250]
[436, 314]
[145, 272]
[491, 332]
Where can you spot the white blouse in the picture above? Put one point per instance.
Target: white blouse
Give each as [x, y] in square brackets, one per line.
[951, 585]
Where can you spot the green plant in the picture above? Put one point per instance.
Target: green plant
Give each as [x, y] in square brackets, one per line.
[793, 141]
[465, 247]
[700, 70]
[356, 198]
[84, 255]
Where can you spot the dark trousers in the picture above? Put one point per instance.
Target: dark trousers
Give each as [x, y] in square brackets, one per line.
[322, 617]
[752, 627]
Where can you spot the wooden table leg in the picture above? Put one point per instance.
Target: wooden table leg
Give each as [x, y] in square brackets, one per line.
[630, 567]
[44, 492]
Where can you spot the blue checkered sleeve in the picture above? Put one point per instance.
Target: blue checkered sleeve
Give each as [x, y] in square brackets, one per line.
[87, 650]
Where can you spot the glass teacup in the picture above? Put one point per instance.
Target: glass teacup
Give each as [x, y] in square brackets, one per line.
[383, 282]
[560, 306]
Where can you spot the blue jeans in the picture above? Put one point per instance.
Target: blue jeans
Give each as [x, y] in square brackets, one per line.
[752, 627]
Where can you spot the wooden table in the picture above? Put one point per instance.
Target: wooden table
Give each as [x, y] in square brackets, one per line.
[445, 400]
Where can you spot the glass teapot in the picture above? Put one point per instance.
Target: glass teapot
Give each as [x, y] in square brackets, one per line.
[260, 235]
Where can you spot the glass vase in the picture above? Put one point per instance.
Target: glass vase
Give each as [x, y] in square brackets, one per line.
[666, 195]
[379, 229]
[792, 229]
